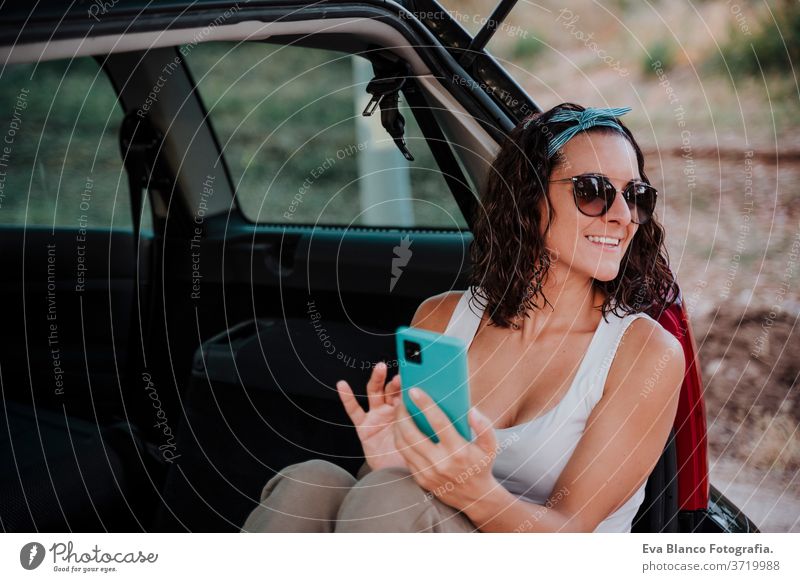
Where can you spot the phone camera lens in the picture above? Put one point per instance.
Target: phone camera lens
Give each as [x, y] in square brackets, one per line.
[413, 352]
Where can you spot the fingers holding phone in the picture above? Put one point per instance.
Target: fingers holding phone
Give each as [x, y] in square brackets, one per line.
[374, 426]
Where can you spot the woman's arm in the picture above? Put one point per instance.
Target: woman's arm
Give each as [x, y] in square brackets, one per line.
[624, 438]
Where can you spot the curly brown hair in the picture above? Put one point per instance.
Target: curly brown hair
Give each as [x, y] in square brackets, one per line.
[508, 255]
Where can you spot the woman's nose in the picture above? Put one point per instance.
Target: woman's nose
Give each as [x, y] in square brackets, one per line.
[619, 210]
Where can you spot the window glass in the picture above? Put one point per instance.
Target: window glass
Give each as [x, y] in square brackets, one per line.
[289, 123]
[60, 164]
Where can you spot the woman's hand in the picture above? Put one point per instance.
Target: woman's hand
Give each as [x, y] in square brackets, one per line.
[374, 427]
[456, 471]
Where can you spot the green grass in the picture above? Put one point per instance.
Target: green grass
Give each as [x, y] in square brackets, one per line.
[67, 137]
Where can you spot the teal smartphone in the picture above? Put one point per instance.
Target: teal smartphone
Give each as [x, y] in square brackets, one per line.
[437, 364]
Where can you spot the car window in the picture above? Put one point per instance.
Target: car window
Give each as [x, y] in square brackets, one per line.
[60, 163]
[289, 122]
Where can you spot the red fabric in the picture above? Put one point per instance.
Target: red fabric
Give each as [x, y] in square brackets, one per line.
[690, 420]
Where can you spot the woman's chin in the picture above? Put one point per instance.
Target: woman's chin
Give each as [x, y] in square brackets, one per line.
[605, 273]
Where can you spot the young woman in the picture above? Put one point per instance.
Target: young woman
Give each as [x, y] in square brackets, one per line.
[574, 385]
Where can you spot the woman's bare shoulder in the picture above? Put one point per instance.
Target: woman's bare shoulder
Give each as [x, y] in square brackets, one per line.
[649, 335]
[646, 345]
[434, 313]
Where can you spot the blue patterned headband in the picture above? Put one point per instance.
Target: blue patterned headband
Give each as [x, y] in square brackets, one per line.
[585, 119]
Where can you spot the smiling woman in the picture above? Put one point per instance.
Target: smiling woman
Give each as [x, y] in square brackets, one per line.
[530, 181]
[569, 370]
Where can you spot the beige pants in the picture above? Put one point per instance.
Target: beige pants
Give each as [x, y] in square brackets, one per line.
[319, 496]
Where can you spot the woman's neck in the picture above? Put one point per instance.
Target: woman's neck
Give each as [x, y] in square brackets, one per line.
[573, 303]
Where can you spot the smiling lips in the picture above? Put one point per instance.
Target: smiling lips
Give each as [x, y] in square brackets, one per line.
[605, 242]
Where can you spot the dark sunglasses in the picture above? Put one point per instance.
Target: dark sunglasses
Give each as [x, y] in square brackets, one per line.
[594, 194]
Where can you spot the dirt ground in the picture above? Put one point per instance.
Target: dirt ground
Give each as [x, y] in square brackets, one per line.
[734, 241]
[753, 412]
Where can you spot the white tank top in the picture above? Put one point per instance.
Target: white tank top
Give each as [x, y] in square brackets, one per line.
[532, 454]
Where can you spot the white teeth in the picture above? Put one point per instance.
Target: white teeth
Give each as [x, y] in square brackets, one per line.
[604, 240]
